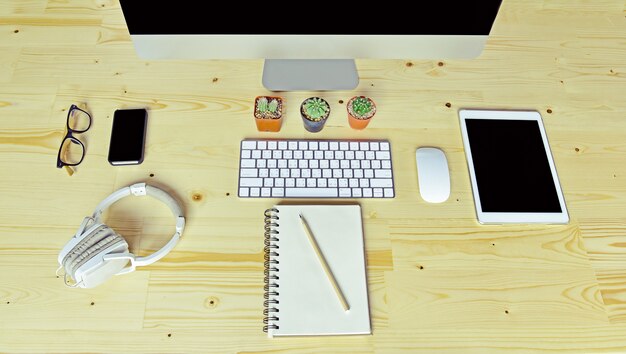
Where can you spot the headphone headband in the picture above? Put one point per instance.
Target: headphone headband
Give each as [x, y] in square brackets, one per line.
[139, 190]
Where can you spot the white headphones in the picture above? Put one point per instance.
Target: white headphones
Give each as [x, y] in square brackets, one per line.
[97, 252]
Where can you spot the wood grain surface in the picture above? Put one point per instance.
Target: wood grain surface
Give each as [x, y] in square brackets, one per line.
[438, 281]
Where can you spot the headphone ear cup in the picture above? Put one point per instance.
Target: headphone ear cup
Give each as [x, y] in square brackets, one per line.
[100, 240]
[93, 236]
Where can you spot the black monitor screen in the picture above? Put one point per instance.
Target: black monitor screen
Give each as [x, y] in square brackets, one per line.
[314, 17]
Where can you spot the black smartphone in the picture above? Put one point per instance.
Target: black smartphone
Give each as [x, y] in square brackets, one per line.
[128, 137]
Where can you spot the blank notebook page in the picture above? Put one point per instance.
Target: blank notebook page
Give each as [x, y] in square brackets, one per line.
[308, 304]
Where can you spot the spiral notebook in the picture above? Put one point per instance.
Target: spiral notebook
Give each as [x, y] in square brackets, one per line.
[300, 298]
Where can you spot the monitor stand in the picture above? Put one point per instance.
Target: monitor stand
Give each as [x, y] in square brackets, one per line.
[310, 75]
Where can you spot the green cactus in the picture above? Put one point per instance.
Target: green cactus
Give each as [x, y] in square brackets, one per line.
[272, 106]
[262, 105]
[362, 106]
[316, 108]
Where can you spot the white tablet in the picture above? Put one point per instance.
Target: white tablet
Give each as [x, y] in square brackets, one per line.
[513, 176]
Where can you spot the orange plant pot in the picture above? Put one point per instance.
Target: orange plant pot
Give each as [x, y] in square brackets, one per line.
[356, 123]
[269, 124]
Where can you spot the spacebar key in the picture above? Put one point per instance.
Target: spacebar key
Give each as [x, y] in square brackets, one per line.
[311, 192]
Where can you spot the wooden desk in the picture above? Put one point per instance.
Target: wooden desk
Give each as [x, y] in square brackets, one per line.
[438, 281]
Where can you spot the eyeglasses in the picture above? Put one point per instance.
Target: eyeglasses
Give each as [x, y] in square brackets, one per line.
[72, 150]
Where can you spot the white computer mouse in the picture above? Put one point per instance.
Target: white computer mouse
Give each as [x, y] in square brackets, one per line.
[432, 174]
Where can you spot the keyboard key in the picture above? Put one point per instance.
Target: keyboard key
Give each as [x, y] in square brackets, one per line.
[261, 145]
[246, 163]
[311, 192]
[312, 145]
[378, 192]
[383, 155]
[290, 182]
[279, 182]
[246, 154]
[354, 145]
[244, 192]
[248, 172]
[300, 182]
[374, 145]
[384, 146]
[382, 173]
[382, 182]
[343, 145]
[255, 192]
[345, 193]
[256, 154]
[356, 192]
[264, 172]
[278, 192]
[250, 182]
[323, 145]
[282, 145]
[248, 145]
[385, 164]
[265, 192]
[388, 192]
[367, 192]
[364, 145]
[268, 182]
[272, 145]
[303, 145]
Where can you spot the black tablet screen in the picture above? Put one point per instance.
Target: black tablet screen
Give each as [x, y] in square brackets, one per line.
[511, 166]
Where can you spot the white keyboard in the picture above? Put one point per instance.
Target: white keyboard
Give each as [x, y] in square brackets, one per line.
[315, 169]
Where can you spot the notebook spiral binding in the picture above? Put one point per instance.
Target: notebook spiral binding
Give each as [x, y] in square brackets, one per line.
[270, 311]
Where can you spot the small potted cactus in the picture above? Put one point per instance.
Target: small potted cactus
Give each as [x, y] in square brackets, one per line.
[361, 109]
[314, 112]
[268, 113]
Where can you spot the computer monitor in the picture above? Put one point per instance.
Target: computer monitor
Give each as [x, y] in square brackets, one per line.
[309, 45]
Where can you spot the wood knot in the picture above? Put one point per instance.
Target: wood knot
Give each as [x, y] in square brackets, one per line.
[196, 197]
[448, 104]
[549, 111]
[408, 64]
[211, 302]
[340, 101]
[215, 79]
[440, 63]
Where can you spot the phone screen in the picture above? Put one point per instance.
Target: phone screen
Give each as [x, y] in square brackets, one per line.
[128, 136]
